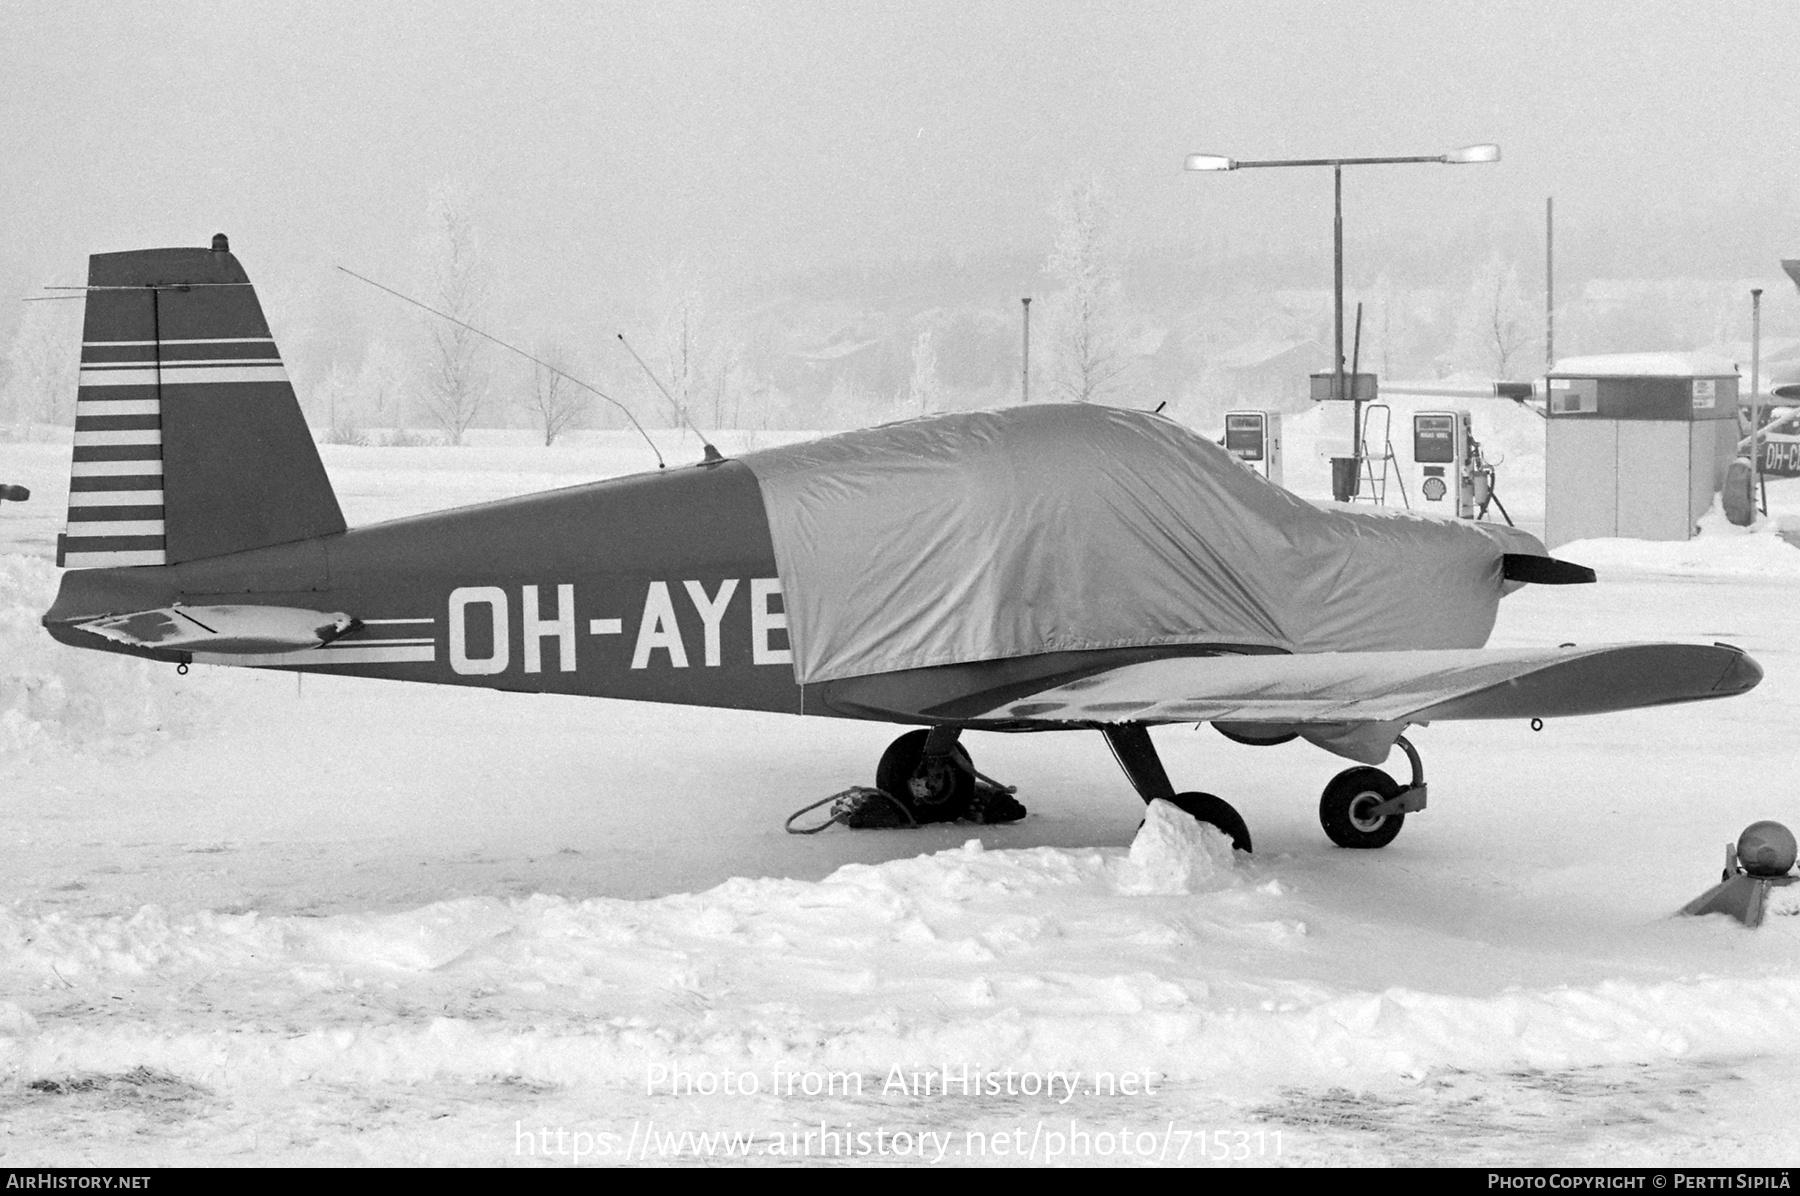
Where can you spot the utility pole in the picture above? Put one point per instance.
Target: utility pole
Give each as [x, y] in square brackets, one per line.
[1025, 369]
[1549, 283]
[1757, 491]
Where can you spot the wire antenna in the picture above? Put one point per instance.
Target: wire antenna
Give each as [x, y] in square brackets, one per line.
[681, 412]
[81, 292]
[660, 463]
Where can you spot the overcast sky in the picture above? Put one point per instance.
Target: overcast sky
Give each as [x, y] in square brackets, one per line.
[605, 141]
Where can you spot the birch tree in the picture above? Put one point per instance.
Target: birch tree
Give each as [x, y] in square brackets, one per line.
[1494, 328]
[553, 401]
[1089, 361]
[457, 280]
[699, 356]
[923, 391]
[42, 365]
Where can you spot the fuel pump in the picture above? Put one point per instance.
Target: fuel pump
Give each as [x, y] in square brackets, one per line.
[1254, 437]
[1447, 466]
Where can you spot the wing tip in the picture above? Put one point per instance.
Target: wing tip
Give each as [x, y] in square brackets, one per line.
[1741, 675]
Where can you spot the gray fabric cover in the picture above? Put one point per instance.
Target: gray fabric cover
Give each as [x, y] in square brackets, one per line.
[984, 535]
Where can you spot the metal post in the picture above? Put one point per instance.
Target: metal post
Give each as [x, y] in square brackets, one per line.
[1337, 289]
[1756, 449]
[1549, 283]
[1025, 370]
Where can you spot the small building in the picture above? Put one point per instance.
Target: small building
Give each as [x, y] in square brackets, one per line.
[1270, 374]
[1636, 444]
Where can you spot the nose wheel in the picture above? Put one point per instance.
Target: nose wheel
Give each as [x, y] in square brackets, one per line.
[1365, 808]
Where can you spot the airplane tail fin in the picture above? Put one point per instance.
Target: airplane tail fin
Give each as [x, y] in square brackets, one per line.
[189, 442]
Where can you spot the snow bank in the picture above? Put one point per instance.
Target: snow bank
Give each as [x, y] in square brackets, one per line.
[1043, 958]
[1720, 549]
[51, 695]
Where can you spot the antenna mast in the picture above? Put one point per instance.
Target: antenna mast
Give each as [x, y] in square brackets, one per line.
[660, 463]
[710, 453]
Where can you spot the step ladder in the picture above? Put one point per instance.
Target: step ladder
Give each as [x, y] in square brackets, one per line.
[1372, 486]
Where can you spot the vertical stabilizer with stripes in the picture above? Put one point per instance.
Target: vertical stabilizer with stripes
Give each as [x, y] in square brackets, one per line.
[189, 442]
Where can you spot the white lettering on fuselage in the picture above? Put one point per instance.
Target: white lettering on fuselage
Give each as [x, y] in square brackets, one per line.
[659, 634]
[494, 598]
[712, 612]
[658, 629]
[562, 626]
[763, 621]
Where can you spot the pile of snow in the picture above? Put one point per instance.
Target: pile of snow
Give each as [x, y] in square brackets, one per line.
[1783, 902]
[53, 695]
[1028, 958]
[1174, 855]
[1721, 549]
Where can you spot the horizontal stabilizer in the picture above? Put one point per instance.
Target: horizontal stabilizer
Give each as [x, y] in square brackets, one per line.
[226, 629]
[1543, 570]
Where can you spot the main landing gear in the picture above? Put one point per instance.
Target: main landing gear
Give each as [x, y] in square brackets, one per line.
[927, 776]
[1131, 746]
[1361, 807]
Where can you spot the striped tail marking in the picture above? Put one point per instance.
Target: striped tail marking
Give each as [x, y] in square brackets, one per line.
[189, 440]
[116, 492]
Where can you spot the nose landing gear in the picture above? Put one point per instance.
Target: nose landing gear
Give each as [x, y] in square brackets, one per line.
[1365, 808]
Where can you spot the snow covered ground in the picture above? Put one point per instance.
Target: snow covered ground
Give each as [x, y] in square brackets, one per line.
[245, 919]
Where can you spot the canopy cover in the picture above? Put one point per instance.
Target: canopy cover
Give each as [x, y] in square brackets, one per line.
[986, 535]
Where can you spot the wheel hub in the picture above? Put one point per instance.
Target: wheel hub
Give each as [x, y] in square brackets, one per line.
[1360, 805]
[932, 783]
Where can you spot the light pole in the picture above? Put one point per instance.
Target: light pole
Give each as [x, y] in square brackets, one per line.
[1025, 356]
[1756, 452]
[1468, 153]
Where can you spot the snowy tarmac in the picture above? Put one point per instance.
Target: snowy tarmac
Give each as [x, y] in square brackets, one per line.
[245, 919]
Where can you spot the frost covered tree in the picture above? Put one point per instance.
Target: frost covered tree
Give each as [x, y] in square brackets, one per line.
[381, 386]
[1089, 359]
[333, 404]
[553, 401]
[923, 392]
[457, 282]
[1494, 327]
[698, 354]
[42, 365]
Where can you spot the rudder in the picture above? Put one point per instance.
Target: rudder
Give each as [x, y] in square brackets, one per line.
[189, 441]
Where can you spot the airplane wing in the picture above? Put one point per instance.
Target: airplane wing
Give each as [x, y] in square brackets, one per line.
[1414, 687]
[1354, 703]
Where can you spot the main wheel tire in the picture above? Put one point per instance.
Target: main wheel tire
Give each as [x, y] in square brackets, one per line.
[1344, 804]
[1216, 811]
[934, 790]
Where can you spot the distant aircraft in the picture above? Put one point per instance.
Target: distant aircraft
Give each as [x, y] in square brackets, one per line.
[1048, 567]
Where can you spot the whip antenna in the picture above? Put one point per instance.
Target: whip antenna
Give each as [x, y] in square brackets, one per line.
[660, 464]
[681, 413]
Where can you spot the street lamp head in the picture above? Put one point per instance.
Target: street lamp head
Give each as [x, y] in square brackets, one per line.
[1487, 152]
[1209, 162]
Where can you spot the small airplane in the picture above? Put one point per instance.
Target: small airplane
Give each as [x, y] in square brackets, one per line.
[1040, 568]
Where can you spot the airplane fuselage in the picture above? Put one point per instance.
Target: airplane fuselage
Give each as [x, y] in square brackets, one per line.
[657, 587]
